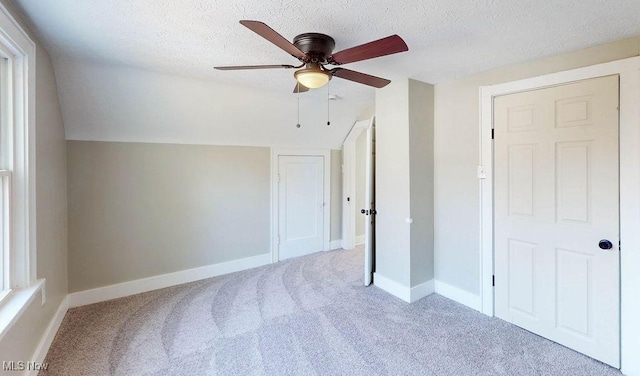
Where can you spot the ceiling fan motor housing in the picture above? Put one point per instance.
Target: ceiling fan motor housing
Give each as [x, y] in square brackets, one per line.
[317, 46]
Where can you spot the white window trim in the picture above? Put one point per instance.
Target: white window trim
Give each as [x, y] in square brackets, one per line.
[17, 303]
[629, 73]
[275, 154]
[23, 261]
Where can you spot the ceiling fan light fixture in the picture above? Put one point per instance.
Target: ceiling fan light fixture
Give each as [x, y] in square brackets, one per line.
[312, 78]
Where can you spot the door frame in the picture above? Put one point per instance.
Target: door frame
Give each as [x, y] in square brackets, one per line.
[629, 149]
[348, 182]
[275, 155]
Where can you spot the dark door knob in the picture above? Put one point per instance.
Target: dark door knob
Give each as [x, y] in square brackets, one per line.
[365, 212]
[605, 244]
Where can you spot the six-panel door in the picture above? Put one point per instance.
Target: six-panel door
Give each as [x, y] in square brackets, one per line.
[556, 197]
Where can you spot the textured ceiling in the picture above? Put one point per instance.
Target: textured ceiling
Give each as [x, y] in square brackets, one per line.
[447, 39]
[142, 70]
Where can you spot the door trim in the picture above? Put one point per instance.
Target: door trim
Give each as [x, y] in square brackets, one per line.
[275, 154]
[348, 183]
[629, 72]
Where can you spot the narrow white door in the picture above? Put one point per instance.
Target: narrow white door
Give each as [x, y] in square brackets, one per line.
[300, 205]
[369, 199]
[556, 214]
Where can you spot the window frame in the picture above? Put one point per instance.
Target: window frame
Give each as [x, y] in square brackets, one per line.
[5, 173]
[18, 156]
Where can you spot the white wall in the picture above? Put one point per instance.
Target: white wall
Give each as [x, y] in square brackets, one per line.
[421, 155]
[392, 183]
[138, 210]
[51, 212]
[457, 248]
[404, 184]
[115, 103]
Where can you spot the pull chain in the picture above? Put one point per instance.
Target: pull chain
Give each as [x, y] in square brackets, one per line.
[328, 100]
[298, 86]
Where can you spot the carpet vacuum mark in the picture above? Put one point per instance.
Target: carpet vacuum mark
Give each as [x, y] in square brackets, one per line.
[304, 316]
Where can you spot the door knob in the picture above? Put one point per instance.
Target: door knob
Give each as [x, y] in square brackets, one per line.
[605, 244]
[365, 212]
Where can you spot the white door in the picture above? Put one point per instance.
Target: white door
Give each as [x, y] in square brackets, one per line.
[369, 199]
[300, 205]
[556, 198]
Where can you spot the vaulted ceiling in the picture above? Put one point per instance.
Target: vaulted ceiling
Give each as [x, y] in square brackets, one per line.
[446, 39]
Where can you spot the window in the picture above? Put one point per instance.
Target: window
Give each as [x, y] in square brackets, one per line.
[5, 180]
[17, 167]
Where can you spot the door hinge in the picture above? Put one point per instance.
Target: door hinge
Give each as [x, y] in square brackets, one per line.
[493, 280]
[619, 245]
[492, 133]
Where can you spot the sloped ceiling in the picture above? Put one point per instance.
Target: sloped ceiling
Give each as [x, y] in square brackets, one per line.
[447, 40]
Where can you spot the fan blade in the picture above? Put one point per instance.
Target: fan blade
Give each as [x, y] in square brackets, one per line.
[362, 78]
[381, 47]
[300, 88]
[272, 36]
[242, 67]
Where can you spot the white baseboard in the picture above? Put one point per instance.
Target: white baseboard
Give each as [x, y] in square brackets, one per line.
[458, 295]
[50, 333]
[335, 244]
[405, 293]
[392, 287]
[138, 286]
[420, 291]
[359, 240]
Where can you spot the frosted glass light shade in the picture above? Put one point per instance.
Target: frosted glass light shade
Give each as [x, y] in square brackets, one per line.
[312, 78]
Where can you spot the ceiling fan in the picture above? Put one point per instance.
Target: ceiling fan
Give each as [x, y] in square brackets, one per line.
[315, 52]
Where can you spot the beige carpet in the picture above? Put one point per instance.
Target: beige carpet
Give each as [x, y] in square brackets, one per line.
[305, 316]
